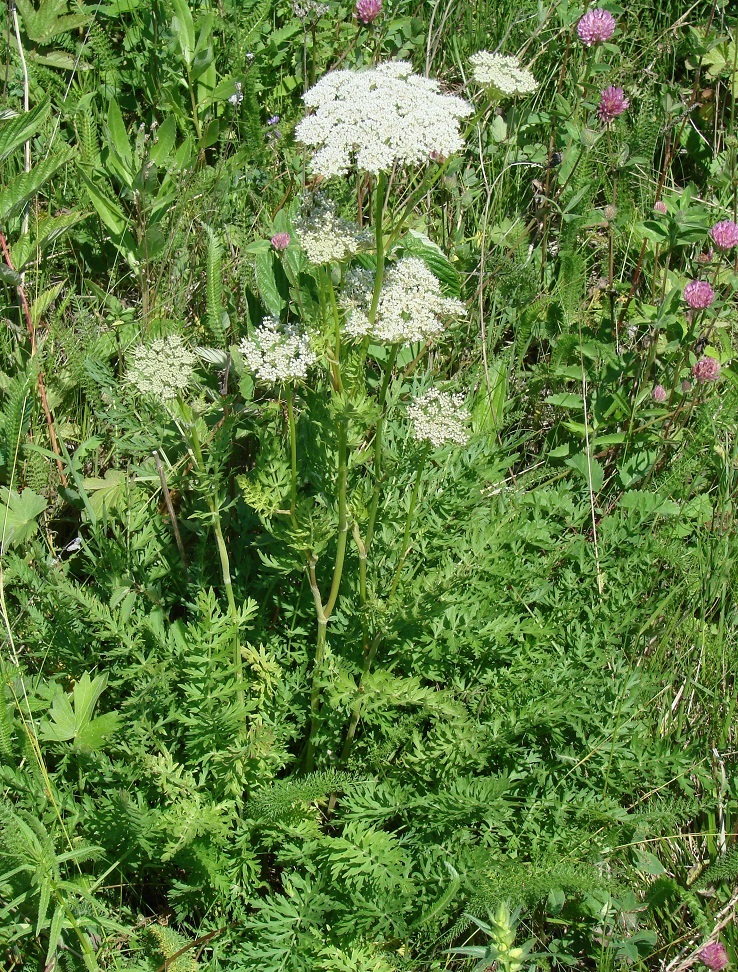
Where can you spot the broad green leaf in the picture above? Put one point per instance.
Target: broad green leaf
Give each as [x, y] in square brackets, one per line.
[590, 470]
[18, 130]
[436, 260]
[18, 515]
[114, 219]
[166, 135]
[184, 28]
[108, 493]
[25, 186]
[42, 303]
[72, 720]
[119, 144]
[61, 59]
[267, 284]
[566, 400]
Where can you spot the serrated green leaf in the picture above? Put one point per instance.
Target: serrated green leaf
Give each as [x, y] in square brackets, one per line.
[18, 130]
[19, 515]
[266, 282]
[25, 186]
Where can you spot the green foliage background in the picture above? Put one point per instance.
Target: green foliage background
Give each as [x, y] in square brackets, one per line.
[550, 721]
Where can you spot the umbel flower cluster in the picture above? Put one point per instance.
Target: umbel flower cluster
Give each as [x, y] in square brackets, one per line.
[502, 73]
[163, 368]
[411, 306]
[439, 417]
[377, 118]
[326, 237]
[276, 353]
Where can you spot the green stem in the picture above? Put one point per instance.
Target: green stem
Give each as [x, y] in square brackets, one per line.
[193, 100]
[408, 522]
[370, 650]
[225, 567]
[337, 382]
[378, 446]
[324, 612]
[342, 518]
[380, 191]
[293, 452]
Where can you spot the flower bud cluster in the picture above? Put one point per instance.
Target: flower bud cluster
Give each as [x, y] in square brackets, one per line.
[439, 417]
[162, 368]
[502, 73]
[326, 237]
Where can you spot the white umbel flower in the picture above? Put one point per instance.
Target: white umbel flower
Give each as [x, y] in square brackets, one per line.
[502, 73]
[276, 353]
[326, 237]
[379, 117]
[411, 305]
[163, 368]
[439, 417]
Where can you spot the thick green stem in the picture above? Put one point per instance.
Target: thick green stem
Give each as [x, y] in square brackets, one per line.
[293, 452]
[370, 650]
[337, 382]
[378, 446]
[380, 191]
[342, 519]
[324, 612]
[193, 101]
[225, 566]
[408, 523]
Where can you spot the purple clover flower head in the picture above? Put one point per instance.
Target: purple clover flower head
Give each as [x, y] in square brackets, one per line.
[367, 11]
[596, 27]
[612, 103]
[725, 236]
[659, 394]
[714, 954]
[660, 207]
[705, 370]
[280, 241]
[699, 294]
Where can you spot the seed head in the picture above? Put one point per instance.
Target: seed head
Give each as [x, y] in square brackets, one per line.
[705, 370]
[699, 294]
[612, 103]
[367, 11]
[714, 955]
[725, 236]
[596, 27]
